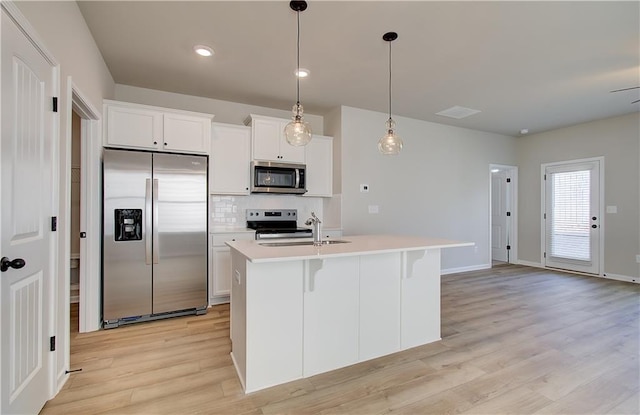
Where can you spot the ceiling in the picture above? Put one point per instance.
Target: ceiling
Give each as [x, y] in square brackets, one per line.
[524, 65]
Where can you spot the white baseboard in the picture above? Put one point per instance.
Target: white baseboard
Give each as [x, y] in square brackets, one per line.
[606, 275]
[530, 264]
[619, 277]
[464, 269]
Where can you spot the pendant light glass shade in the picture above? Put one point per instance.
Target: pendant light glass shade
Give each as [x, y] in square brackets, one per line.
[298, 131]
[391, 143]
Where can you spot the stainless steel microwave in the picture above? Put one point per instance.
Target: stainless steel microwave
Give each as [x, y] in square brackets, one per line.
[270, 177]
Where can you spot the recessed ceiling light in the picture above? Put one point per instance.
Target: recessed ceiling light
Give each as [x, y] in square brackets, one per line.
[524, 131]
[302, 73]
[203, 50]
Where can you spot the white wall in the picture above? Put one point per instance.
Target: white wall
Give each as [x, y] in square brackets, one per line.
[438, 186]
[224, 111]
[62, 29]
[618, 140]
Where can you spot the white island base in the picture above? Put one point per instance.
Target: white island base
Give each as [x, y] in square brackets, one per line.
[302, 310]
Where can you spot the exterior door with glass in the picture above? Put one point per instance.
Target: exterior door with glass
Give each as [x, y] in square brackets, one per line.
[572, 216]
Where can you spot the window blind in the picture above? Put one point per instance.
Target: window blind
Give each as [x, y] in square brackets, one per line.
[570, 225]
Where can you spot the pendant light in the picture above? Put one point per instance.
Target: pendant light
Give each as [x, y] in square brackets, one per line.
[298, 132]
[391, 143]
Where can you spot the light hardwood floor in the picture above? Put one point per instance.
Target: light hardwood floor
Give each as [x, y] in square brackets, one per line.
[516, 340]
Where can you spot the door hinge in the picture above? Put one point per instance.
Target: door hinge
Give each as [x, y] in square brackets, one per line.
[508, 213]
[54, 223]
[544, 216]
[52, 343]
[508, 180]
[508, 247]
[83, 235]
[544, 254]
[55, 104]
[545, 177]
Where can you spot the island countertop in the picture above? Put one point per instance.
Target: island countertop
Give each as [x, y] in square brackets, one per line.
[258, 251]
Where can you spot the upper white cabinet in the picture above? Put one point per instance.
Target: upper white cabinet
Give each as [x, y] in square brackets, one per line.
[229, 160]
[269, 142]
[152, 128]
[319, 157]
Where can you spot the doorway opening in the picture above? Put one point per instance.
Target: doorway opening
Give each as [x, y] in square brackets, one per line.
[84, 223]
[503, 219]
[74, 240]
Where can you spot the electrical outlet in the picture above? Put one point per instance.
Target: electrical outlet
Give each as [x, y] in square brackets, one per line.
[364, 188]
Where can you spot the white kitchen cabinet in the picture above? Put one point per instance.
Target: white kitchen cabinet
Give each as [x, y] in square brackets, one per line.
[266, 322]
[269, 143]
[331, 314]
[420, 315]
[153, 128]
[331, 233]
[319, 161]
[220, 265]
[230, 159]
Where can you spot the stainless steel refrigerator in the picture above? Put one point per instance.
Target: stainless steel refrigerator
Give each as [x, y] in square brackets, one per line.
[154, 236]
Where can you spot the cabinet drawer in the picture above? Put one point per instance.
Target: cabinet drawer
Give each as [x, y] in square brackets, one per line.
[219, 239]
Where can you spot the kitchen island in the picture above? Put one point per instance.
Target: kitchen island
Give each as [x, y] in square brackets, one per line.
[299, 310]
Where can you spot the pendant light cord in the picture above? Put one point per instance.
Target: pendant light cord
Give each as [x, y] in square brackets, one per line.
[298, 62]
[390, 80]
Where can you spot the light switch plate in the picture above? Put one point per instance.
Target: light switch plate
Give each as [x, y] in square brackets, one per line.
[374, 209]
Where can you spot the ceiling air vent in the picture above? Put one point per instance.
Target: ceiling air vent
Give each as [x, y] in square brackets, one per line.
[457, 112]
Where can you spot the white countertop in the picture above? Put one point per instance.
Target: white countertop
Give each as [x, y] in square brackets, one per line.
[358, 245]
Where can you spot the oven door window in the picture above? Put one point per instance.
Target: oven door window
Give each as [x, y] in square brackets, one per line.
[275, 177]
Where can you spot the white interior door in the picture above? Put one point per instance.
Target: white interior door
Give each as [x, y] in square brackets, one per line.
[499, 231]
[572, 219]
[25, 211]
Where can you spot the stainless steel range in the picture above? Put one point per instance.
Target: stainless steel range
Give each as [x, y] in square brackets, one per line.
[276, 224]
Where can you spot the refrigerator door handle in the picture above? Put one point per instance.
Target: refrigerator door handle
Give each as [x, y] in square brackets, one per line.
[147, 223]
[156, 238]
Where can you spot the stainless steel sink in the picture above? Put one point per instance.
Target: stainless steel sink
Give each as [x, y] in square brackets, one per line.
[303, 243]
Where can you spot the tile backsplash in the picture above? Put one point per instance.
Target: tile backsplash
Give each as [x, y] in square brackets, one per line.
[231, 210]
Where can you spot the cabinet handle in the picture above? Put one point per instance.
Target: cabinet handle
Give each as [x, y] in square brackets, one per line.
[155, 142]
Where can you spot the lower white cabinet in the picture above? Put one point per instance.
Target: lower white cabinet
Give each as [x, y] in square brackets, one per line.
[420, 298]
[331, 233]
[379, 305]
[220, 265]
[294, 319]
[330, 314]
[266, 322]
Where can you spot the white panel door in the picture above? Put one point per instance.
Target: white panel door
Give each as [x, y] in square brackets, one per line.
[25, 211]
[572, 222]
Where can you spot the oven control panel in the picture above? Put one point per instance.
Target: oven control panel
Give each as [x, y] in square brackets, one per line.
[264, 215]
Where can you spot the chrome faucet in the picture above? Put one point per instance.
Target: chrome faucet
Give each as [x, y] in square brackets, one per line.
[317, 234]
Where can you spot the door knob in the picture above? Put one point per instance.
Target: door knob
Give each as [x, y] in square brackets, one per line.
[594, 226]
[593, 218]
[6, 263]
